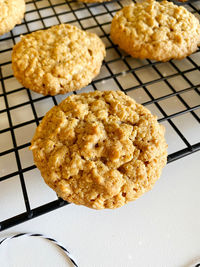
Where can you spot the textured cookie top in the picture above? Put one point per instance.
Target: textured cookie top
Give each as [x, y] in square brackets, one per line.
[58, 60]
[99, 149]
[11, 13]
[156, 30]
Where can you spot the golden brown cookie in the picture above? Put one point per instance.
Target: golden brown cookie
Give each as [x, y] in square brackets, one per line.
[11, 13]
[99, 149]
[156, 30]
[58, 60]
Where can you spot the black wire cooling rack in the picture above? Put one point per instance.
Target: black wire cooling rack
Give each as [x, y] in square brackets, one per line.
[170, 90]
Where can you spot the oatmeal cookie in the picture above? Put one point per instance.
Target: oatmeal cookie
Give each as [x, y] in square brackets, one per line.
[11, 13]
[58, 60]
[99, 149]
[156, 30]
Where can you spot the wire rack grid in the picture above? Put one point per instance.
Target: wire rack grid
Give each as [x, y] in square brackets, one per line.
[170, 90]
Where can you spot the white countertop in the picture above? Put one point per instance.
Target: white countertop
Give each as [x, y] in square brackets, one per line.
[161, 229]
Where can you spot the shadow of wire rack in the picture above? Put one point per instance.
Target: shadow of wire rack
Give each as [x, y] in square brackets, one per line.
[170, 90]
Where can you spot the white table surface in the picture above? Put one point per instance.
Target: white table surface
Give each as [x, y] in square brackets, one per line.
[161, 229]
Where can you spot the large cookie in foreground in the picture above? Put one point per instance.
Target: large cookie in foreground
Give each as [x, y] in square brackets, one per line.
[100, 149]
[58, 60]
[11, 13]
[156, 30]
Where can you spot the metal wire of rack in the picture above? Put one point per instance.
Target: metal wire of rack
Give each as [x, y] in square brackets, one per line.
[170, 90]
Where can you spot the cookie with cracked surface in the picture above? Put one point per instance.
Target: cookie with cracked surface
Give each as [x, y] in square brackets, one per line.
[99, 149]
[58, 60]
[156, 30]
[11, 13]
